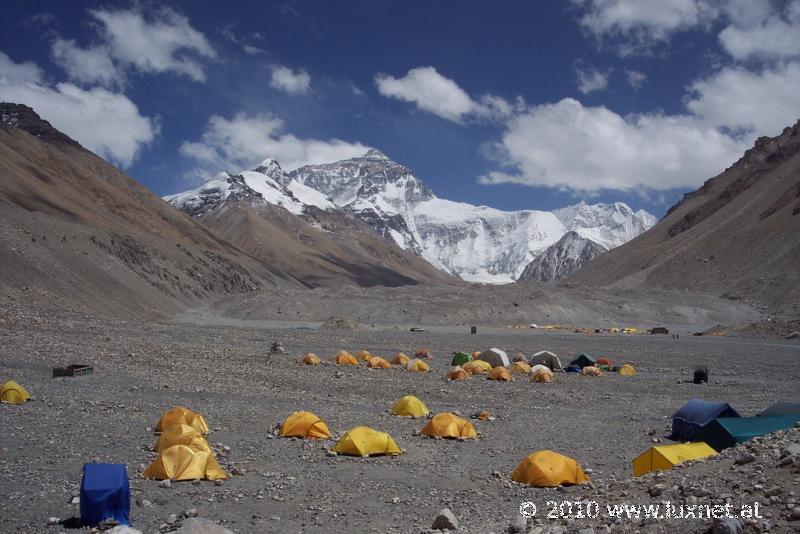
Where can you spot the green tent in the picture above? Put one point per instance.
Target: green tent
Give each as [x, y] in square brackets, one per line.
[726, 432]
[582, 360]
[460, 358]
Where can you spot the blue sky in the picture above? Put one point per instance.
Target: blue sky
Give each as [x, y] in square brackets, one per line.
[513, 104]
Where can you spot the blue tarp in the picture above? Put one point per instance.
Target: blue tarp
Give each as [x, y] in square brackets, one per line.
[695, 414]
[728, 431]
[105, 494]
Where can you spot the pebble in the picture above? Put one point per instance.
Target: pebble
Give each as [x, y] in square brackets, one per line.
[446, 520]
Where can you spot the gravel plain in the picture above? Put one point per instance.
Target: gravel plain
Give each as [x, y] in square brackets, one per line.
[143, 368]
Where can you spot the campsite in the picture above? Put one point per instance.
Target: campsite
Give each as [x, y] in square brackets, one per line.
[142, 369]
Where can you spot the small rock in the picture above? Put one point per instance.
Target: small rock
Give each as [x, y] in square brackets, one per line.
[773, 491]
[171, 519]
[191, 512]
[795, 514]
[726, 525]
[701, 492]
[445, 520]
[519, 525]
[743, 458]
[656, 490]
[53, 521]
[165, 484]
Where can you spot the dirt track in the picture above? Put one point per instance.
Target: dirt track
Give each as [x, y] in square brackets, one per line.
[144, 368]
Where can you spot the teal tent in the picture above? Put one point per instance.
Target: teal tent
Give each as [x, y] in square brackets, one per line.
[728, 431]
[782, 408]
[582, 360]
[460, 358]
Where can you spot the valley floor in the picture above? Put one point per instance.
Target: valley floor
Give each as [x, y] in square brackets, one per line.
[143, 368]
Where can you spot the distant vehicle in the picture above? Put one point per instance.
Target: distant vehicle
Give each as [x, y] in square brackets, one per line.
[659, 330]
[533, 325]
[418, 329]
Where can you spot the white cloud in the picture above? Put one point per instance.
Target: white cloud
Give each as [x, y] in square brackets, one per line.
[589, 149]
[758, 31]
[635, 79]
[289, 81]
[590, 78]
[639, 24]
[437, 94]
[162, 42]
[242, 142]
[755, 103]
[90, 65]
[105, 122]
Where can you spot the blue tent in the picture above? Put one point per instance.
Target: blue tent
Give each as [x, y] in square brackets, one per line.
[105, 494]
[728, 431]
[694, 415]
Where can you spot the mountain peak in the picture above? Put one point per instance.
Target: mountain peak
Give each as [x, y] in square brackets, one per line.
[25, 118]
[374, 153]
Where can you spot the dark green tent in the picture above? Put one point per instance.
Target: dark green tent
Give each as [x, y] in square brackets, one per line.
[782, 408]
[726, 432]
[582, 360]
[460, 358]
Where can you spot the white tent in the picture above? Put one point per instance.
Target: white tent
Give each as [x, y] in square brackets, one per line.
[546, 358]
[495, 357]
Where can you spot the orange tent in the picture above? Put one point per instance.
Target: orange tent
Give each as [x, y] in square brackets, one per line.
[424, 353]
[181, 415]
[304, 425]
[400, 359]
[500, 373]
[457, 373]
[520, 367]
[448, 425]
[548, 469]
[363, 355]
[591, 370]
[378, 363]
[472, 369]
[309, 359]
[345, 358]
[417, 365]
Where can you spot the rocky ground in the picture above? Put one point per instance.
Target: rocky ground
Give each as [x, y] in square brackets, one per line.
[142, 368]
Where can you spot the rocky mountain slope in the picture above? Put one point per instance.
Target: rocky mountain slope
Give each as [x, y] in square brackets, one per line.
[476, 243]
[737, 236]
[562, 259]
[78, 232]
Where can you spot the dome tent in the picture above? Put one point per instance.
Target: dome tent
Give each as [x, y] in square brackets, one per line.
[181, 435]
[180, 462]
[548, 469]
[364, 441]
[494, 357]
[13, 393]
[304, 425]
[182, 415]
[449, 425]
[410, 406]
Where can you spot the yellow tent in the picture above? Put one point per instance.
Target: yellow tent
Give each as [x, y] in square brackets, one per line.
[378, 363]
[548, 469]
[180, 415]
[417, 365]
[472, 369]
[344, 358]
[457, 373]
[486, 366]
[13, 393]
[180, 462]
[627, 370]
[363, 355]
[400, 359]
[410, 406]
[310, 359]
[500, 373]
[667, 456]
[304, 425]
[541, 373]
[181, 435]
[520, 367]
[364, 441]
[591, 370]
[448, 425]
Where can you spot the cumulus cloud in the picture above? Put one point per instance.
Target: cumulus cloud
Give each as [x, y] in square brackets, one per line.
[637, 25]
[290, 81]
[590, 79]
[759, 31]
[86, 65]
[243, 141]
[635, 79]
[162, 41]
[571, 147]
[105, 122]
[437, 94]
[754, 103]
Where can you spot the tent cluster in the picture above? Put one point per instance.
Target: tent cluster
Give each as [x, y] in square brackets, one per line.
[711, 427]
[343, 357]
[13, 393]
[183, 452]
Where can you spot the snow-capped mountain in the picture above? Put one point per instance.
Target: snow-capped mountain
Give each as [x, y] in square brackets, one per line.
[562, 258]
[477, 243]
